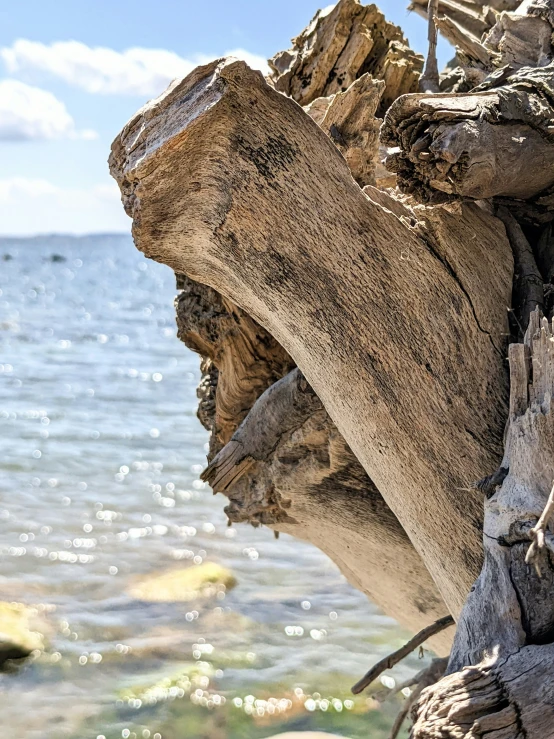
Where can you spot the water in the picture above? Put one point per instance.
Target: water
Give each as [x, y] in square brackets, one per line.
[100, 458]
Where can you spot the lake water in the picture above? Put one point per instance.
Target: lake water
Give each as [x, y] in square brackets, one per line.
[99, 484]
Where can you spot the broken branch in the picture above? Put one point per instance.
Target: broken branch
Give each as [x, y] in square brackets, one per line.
[342, 43]
[429, 81]
[393, 659]
[496, 141]
[282, 408]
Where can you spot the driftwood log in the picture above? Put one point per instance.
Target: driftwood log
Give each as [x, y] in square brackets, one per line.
[241, 140]
[354, 322]
[288, 467]
[509, 692]
[497, 141]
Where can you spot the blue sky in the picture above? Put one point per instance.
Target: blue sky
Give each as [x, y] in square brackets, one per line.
[72, 72]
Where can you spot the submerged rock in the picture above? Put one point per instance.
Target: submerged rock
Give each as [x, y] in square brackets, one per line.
[17, 637]
[200, 581]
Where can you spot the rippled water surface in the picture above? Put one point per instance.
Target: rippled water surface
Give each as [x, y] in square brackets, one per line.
[101, 454]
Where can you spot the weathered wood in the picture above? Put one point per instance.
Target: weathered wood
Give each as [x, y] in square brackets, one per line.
[239, 357]
[509, 699]
[496, 141]
[507, 624]
[297, 476]
[486, 39]
[340, 44]
[349, 119]
[423, 679]
[281, 409]
[468, 46]
[429, 81]
[523, 38]
[528, 292]
[475, 17]
[211, 173]
[288, 468]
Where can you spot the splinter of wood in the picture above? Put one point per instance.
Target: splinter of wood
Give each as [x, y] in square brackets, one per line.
[539, 534]
[429, 81]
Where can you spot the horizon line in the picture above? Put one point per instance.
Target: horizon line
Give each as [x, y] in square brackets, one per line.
[64, 234]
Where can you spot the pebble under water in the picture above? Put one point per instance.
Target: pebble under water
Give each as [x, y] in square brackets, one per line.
[99, 485]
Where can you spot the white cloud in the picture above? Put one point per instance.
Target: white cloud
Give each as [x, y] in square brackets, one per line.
[136, 71]
[35, 206]
[31, 113]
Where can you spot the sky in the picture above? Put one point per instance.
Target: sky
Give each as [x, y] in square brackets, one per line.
[72, 72]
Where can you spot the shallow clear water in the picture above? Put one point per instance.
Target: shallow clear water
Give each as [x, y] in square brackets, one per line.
[100, 457]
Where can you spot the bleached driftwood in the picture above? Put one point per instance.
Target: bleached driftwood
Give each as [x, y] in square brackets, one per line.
[233, 184]
[302, 478]
[496, 141]
[288, 467]
[349, 118]
[475, 17]
[489, 35]
[395, 314]
[507, 625]
[341, 44]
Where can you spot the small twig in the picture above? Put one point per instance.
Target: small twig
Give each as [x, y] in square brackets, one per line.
[404, 711]
[393, 659]
[430, 81]
[539, 534]
[424, 678]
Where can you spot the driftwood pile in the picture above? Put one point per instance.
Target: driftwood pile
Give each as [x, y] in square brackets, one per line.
[353, 319]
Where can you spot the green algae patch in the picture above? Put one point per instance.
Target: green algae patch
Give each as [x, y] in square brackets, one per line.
[160, 687]
[18, 639]
[206, 580]
[306, 735]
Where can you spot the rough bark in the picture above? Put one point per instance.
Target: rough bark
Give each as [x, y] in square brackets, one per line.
[486, 39]
[475, 17]
[240, 358]
[341, 44]
[212, 171]
[496, 141]
[507, 626]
